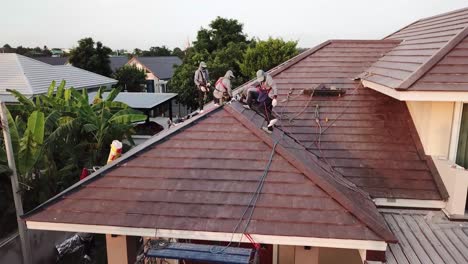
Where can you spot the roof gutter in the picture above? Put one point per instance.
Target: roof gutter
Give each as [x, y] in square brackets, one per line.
[211, 236]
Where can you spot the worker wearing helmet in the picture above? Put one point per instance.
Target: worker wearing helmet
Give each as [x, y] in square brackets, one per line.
[265, 93]
[201, 80]
[222, 91]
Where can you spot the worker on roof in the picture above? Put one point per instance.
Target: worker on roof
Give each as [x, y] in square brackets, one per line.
[201, 80]
[264, 93]
[222, 92]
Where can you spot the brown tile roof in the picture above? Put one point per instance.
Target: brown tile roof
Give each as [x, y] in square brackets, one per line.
[202, 177]
[423, 45]
[369, 137]
[450, 73]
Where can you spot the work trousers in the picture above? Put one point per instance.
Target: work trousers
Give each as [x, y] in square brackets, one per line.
[201, 97]
[265, 107]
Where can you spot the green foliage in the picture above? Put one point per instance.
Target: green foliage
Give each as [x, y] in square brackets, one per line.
[157, 51]
[94, 58]
[130, 78]
[57, 134]
[178, 52]
[266, 55]
[220, 46]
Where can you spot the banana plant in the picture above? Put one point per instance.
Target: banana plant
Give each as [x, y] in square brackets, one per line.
[57, 134]
[27, 141]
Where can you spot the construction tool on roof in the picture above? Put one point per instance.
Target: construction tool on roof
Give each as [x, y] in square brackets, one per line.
[325, 90]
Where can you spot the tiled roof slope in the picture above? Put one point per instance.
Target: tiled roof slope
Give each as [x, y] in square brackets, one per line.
[53, 60]
[450, 74]
[426, 237]
[367, 137]
[424, 44]
[202, 178]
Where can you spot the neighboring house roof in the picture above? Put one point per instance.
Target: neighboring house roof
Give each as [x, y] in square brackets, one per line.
[426, 237]
[366, 136]
[162, 66]
[424, 45]
[32, 77]
[53, 60]
[201, 177]
[118, 62]
[139, 100]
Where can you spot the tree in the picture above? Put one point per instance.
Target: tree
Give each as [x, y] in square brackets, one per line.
[178, 52]
[130, 78]
[57, 134]
[266, 55]
[137, 52]
[157, 51]
[220, 45]
[94, 58]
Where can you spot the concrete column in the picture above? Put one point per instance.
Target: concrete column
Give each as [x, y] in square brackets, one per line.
[121, 249]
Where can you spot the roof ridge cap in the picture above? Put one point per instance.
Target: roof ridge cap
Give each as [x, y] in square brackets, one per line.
[379, 229]
[26, 78]
[434, 59]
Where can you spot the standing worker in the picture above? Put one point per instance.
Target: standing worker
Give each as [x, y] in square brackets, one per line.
[222, 92]
[201, 80]
[265, 94]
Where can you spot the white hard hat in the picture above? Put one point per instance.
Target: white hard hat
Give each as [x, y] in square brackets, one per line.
[229, 74]
[260, 76]
[203, 64]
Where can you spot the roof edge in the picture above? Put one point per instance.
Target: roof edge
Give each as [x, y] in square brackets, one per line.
[129, 154]
[445, 14]
[379, 229]
[433, 60]
[401, 29]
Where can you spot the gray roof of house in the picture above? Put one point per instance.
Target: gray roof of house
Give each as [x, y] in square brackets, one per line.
[53, 60]
[426, 237]
[117, 62]
[139, 100]
[162, 66]
[32, 77]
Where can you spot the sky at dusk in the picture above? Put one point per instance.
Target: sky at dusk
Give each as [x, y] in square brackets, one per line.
[124, 24]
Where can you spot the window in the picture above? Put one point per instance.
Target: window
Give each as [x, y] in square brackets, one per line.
[462, 148]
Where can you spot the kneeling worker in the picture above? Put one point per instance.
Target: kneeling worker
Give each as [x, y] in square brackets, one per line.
[265, 94]
[222, 92]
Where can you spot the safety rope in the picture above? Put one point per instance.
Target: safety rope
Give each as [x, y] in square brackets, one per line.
[252, 203]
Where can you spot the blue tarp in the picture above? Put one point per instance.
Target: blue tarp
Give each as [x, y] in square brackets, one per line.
[207, 253]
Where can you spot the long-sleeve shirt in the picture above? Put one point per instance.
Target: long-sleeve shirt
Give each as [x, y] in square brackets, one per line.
[271, 84]
[201, 77]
